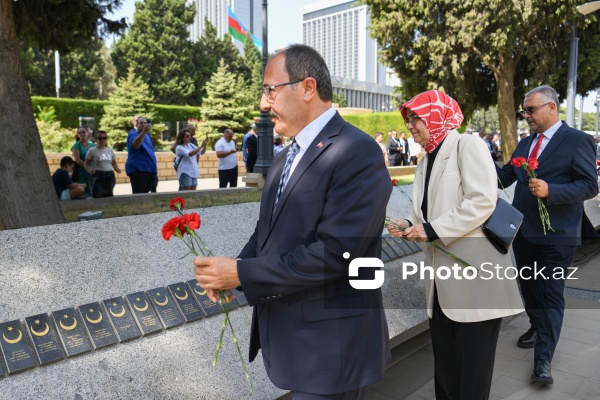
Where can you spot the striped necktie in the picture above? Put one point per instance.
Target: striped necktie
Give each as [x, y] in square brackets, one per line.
[285, 175]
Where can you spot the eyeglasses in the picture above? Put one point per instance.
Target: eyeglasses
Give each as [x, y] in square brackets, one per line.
[267, 89]
[412, 119]
[101, 137]
[531, 110]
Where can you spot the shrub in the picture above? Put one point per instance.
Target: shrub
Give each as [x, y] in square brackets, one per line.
[378, 122]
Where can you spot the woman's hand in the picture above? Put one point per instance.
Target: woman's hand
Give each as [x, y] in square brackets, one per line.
[393, 229]
[416, 233]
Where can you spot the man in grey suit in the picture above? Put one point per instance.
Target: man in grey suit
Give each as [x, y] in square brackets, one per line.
[323, 205]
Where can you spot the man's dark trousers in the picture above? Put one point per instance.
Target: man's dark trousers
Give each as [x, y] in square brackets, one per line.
[546, 317]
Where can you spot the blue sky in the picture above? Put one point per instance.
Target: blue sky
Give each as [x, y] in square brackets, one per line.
[285, 27]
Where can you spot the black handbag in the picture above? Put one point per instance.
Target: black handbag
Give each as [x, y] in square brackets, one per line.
[502, 226]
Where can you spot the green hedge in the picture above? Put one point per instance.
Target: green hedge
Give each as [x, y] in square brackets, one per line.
[68, 111]
[378, 122]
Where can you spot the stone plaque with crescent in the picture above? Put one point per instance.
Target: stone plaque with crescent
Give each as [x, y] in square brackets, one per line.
[122, 319]
[15, 347]
[46, 343]
[186, 302]
[97, 323]
[144, 313]
[72, 332]
[240, 296]
[207, 304]
[165, 307]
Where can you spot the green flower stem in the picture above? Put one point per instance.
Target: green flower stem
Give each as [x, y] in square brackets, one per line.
[544, 214]
[219, 344]
[502, 186]
[237, 345]
[465, 264]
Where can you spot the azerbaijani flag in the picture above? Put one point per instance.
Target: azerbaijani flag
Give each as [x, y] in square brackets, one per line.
[239, 31]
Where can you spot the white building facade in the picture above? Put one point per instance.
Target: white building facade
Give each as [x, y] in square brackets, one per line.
[338, 30]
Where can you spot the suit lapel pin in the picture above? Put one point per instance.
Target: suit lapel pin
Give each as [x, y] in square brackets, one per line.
[320, 145]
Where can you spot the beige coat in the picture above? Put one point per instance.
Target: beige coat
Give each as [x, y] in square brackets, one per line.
[462, 195]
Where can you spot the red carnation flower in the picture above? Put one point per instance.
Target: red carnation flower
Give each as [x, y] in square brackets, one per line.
[533, 164]
[394, 182]
[598, 163]
[194, 221]
[518, 162]
[177, 204]
[170, 227]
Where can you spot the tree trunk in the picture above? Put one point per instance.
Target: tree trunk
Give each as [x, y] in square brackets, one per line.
[27, 196]
[507, 119]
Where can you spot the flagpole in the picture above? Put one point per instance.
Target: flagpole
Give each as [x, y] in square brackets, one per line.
[264, 125]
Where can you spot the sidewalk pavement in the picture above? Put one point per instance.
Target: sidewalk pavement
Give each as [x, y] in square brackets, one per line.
[576, 364]
[173, 185]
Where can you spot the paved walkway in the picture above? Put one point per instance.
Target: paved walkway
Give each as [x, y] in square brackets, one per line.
[173, 185]
[576, 364]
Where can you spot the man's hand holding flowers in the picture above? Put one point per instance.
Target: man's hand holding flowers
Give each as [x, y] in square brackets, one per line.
[216, 273]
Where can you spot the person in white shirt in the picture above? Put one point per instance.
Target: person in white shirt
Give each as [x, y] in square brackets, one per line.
[414, 149]
[187, 155]
[228, 168]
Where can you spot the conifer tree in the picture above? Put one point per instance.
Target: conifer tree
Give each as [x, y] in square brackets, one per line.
[131, 97]
[223, 107]
[158, 48]
[62, 25]
[253, 80]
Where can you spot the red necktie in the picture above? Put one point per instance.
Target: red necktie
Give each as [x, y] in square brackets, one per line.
[538, 145]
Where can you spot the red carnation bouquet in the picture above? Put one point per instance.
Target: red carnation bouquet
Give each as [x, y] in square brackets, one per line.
[184, 227]
[530, 166]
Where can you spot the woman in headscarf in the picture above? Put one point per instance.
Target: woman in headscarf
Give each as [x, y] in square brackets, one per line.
[454, 193]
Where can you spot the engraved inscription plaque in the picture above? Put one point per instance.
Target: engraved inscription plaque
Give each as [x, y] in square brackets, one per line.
[15, 348]
[72, 331]
[45, 341]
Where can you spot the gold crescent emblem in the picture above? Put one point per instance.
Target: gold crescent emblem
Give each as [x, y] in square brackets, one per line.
[119, 314]
[68, 327]
[185, 296]
[200, 293]
[42, 333]
[141, 309]
[162, 304]
[94, 321]
[13, 341]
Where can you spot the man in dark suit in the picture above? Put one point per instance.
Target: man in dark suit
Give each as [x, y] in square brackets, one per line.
[251, 150]
[566, 177]
[393, 149]
[403, 155]
[323, 205]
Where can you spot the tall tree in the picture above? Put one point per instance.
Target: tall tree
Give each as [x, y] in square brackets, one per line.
[223, 107]
[81, 71]
[158, 48]
[484, 52]
[27, 196]
[131, 97]
[253, 78]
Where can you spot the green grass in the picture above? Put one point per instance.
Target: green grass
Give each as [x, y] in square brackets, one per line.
[404, 179]
[194, 200]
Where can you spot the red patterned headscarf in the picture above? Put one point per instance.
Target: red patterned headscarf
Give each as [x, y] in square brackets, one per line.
[439, 112]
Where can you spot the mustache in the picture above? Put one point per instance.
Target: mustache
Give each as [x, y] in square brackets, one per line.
[273, 115]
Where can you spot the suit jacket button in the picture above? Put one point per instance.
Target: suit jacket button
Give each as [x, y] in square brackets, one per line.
[279, 295]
